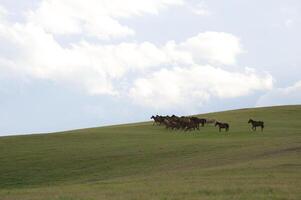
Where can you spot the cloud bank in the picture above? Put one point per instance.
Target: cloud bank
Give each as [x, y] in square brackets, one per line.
[196, 85]
[99, 18]
[187, 73]
[282, 96]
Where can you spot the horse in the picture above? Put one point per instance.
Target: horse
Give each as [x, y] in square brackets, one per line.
[201, 121]
[158, 119]
[153, 117]
[210, 121]
[191, 125]
[255, 124]
[198, 121]
[169, 124]
[222, 126]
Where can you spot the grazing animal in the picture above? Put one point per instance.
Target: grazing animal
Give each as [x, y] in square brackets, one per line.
[158, 119]
[191, 125]
[170, 124]
[154, 118]
[222, 126]
[180, 123]
[210, 121]
[198, 121]
[202, 121]
[256, 124]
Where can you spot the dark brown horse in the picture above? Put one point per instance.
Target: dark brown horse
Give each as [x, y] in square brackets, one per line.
[222, 126]
[157, 119]
[256, 124]
[198, 121]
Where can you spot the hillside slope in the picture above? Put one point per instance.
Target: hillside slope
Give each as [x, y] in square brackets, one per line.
[142, 161]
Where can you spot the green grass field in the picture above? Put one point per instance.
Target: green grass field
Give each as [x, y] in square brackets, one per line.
[142, 161]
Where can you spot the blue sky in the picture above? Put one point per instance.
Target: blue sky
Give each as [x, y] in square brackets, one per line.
[73, 64]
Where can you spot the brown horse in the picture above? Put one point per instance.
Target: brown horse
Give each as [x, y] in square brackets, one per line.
[255, 124]
[158, 119]
[222, 126]
[198, 121]
[210, 121]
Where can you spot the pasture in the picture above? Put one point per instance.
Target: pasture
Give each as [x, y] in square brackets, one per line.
[142, 161]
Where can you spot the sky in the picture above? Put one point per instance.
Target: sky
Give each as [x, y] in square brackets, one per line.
[69, 64]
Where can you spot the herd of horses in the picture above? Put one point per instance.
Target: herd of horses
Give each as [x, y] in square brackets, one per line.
[194, 123]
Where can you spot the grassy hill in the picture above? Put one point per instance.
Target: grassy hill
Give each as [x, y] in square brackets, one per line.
[141, 161]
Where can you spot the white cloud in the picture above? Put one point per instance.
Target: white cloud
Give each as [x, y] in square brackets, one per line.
[97, 18]
[176, 73]
[289, 23]
[213, 47]
[282, 96]
[92, 67]
[95, 67]
[3, 13]
[188, 86]
[201, 9]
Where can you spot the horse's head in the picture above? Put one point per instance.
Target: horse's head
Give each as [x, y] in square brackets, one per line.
[250, 121]
[152, 117]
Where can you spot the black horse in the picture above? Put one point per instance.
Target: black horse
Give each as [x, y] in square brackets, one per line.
[255, 124]
[222, 126]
